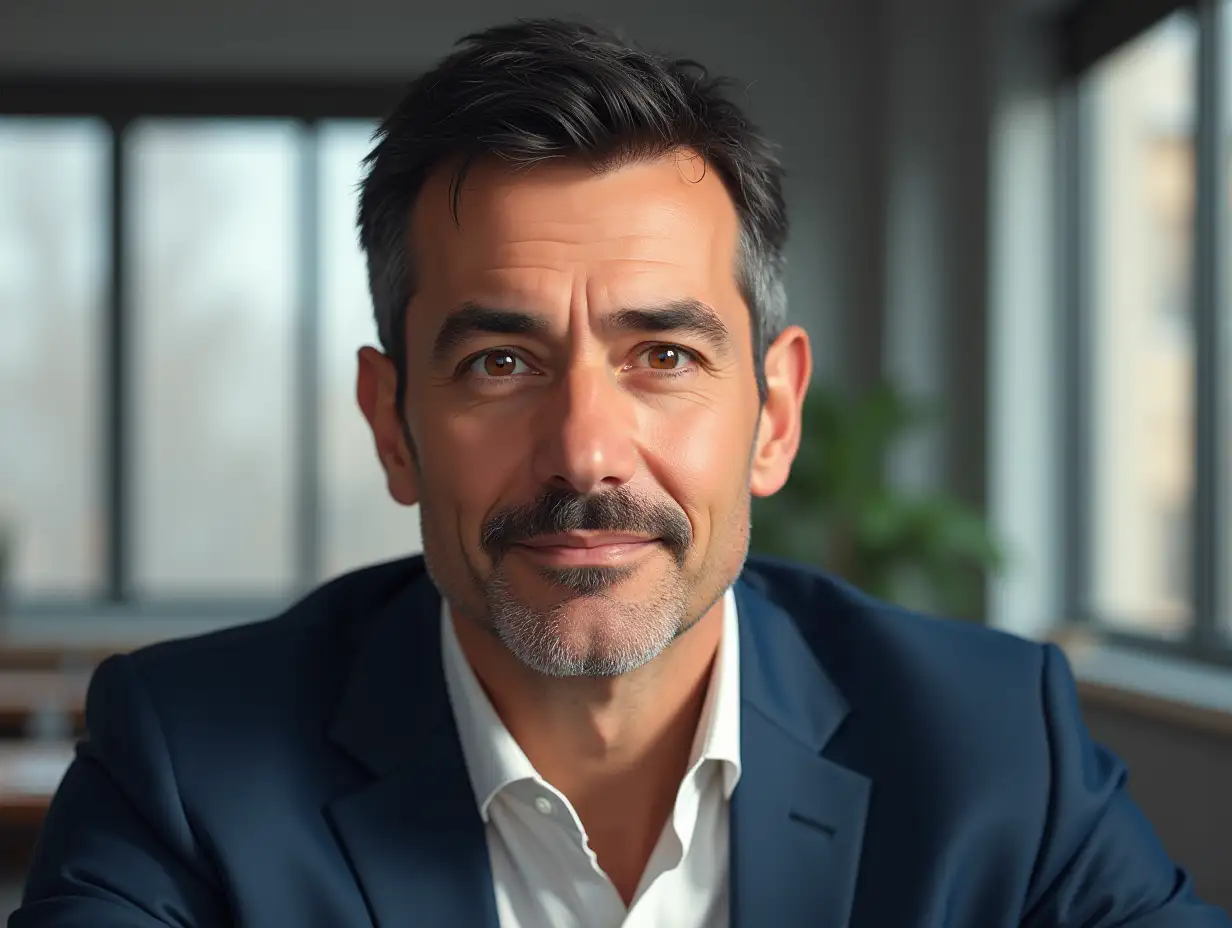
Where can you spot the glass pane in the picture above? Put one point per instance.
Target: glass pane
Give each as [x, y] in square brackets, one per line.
[54, 177]
[214, 225]
[1141, 181]
[361, 523]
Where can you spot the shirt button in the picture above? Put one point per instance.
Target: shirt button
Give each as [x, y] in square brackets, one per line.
[543, 804]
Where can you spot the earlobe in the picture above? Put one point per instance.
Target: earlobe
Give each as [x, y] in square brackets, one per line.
[376, 389]
[789, 368]
[402, 483]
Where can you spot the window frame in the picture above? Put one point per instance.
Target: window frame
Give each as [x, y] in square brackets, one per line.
[1094, 30]
[119, 102]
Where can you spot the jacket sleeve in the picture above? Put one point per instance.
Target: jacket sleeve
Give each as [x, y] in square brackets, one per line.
[116, 848]
[1100, 864]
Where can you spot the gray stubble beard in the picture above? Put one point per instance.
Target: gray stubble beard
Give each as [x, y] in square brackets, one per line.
[536, 636]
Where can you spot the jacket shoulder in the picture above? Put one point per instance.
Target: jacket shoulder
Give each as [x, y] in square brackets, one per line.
[886, 655]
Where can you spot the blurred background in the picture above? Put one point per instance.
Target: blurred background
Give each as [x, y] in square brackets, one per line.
[1009, 247]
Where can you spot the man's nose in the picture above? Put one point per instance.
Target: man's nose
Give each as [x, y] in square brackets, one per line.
[586, 440]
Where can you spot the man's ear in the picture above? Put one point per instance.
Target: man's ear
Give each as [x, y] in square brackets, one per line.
[788, 366]
[376, 388]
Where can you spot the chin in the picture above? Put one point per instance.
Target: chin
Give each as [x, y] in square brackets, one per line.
[601, 638]
[589, 632]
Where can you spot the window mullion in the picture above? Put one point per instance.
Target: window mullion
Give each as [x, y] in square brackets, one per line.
[307, 511]
[117, 340]
[1209, 217]
[1075, 396]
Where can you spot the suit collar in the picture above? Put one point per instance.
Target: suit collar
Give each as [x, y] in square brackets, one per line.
[494, 758]
[797, 817]
[412, 834]
[718, 735]
[781, 677]
[394, 698]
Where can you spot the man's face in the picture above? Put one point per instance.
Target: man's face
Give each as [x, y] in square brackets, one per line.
[582, 403]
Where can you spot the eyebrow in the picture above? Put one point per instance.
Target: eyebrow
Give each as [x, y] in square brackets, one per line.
[470, 318]
[685, 316]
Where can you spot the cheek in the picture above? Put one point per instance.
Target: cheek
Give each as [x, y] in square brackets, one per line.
[700, 457]
[466, 462]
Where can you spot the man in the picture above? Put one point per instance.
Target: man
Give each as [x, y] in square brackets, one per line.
[582, 707]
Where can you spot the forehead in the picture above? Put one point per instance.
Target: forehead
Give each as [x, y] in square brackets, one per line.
[650, 229]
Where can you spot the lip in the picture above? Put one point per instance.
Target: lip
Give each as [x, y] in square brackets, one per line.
[581, 550]
[586, 540]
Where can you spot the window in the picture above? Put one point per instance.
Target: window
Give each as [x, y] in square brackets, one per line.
[53, 258]
[183, 297]
[213, 296]
[1138, 182]
[1149, 425]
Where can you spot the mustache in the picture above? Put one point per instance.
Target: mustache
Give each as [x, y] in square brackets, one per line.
[556, 511]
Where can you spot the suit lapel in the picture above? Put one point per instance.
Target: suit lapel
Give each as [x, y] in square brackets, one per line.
[413, 834]
[415, 839]
[797, 817]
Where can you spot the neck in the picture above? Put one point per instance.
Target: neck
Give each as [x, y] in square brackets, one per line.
[617, 747]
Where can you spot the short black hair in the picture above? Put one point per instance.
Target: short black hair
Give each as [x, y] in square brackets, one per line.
[540, 89]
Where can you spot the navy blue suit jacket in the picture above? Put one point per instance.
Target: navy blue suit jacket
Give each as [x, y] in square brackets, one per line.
[898, 772]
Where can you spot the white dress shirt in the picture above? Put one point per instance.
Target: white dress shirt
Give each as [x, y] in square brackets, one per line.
[543, 870]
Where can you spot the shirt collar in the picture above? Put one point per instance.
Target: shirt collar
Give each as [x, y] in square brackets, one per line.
[718, 733]
[494, 759]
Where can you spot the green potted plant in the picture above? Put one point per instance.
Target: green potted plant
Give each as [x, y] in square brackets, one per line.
[839, 511]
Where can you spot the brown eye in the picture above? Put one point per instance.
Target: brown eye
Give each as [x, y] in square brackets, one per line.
[498, 364]
[666, 358]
